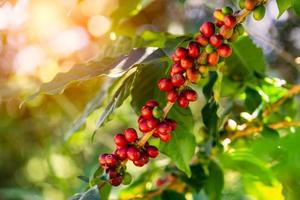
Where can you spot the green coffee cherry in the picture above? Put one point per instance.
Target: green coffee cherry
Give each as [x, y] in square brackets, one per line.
[227, 10]
[240, 29]
[259, 12]
[127, 179]
[242, 4]
[157, 112]
[209, 49]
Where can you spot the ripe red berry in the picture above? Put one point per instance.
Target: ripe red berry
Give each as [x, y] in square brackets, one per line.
[143, 127]
[193, 49]
[120, 140]
[172, 123]
[165, 84]
[182, 101]
[192, 75]
[175, 58]
[146, 112]
[133, 153]
[165, 138]
[164, 128]
[181, 52]
[190, 95]
[250, 4]
[152, 151]
[202, 40]
[177, 80]
[121, 153]
[152, 123]
[224, 50]
[172, 96]
[176, 69]
[151, 103]
[144, 159]
[116, 181]
[219, 23]
[111, 160]
[102, 160]
[216, 40]
[213, 58]
[186, 63]
[207, 29]
[226, 32]
[229, 21]
[112, 173]
[130, 135]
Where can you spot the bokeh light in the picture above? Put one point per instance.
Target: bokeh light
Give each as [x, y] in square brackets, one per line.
[98, 25]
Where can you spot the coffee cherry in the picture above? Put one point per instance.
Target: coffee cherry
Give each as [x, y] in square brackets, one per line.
[203, 69]
[181, 52]
[216, 40]
[190, 95]
[176, 69]
[202, 60]
[202, 40]
[209, 49]
[164, 128]
[116, 181]
[213, 58]
[234, 36]
[250, 4]
[165, 84]
[120, 140]
[165, 138]
[193, 49]
[226, 32]
[157, 112]
[227, 10]
[140, 119]
[229, 21]
[152, 123]
[130, 135]
[240, 29]
[133, 153]
[175, 58]
[224, 50]
[172, 123]
[259, 12]
[151, 103]
[127, 179]
[121, 153]
[182, 101]
[207, 29]
[143, 127]
[152, 151]
[218, 15]
[242, 4]
[102, 160]
[172, 96]
[111, 160]
[219, 23]
[146, 112]
[112, 173]
[192, 75]
[186, 63]
[177, 80]
[144, 158]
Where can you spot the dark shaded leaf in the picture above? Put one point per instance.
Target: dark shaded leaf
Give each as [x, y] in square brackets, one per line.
[215, 181]
[172, 195]
[269, 133]
[208, 88]
[84, 178]
[296, 6]
[198, 178]
[253, 99]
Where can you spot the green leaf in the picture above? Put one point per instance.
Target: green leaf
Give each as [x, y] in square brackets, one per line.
[253, 99]
[198, 178]
[105, 191]
[208, 88]
[283, 5]
[296, 6]
[172, 195]
[182, 145]
[269, 133]
[245, 60]
[91, 194]
[215, 181]
[210, 117]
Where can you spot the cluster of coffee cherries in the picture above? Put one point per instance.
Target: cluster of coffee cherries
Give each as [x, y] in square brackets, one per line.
[259, 10]
[188, 65]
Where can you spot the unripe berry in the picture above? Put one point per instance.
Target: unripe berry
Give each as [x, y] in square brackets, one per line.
[193, 49]
[218, 15]
[152, 151]
[213, 58]
[190, 95]
[111, 160]
[102, 160]
[186, 63]
[209, 49]
[116, 181]
[224, 50]
[172, 96]
[165, 138]
[202, 60]
[120, 140]
[242, 4]
[226, 32]
[182, 101]
[216, 40]
[151, 103]
[146, 112]
[133, 153]
[229, 21]
[177, 80]
[130, 135]
[227, 10]
[157, 112]
[121, 153]
[259, 12]
[181, 52]
[192, 75]
[207, 29]
[250, 4]
[152, 123]
[234, 36]
[240, 29]
[176, 69]
[165, 84]
[203, 69]
[164, 128]
[202, 40]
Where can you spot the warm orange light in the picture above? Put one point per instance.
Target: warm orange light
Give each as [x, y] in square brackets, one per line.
[98, 25]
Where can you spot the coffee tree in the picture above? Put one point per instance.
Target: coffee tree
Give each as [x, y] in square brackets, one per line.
[167, 77]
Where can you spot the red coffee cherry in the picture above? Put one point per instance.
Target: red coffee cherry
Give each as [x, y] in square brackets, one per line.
[130, 135]
[152, 123]
[152, 151]
[202, 40]
[112, 173]
[143, 127]
[213, 58]
[229, 21]
[182, 101]
[219, 23]
[250, 4]
[193, 49]
[226, 32]
[165, 84]
[151, 103]
[192, 75]
[120, 140]
[176, 69]
[102, 160]
[146, 112]
[116, 181]
[181, 52]
[163, 128]
[207, 29]
[144, 158]
[172, 123]
[186, 63]
[175, 58]
[177, 80]
[111, 160]
[133, 153]
[172, 96]
[121, 153]
[216, 40]
[140, 119]
[165, 138]
[224, 50]
[190, 95]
